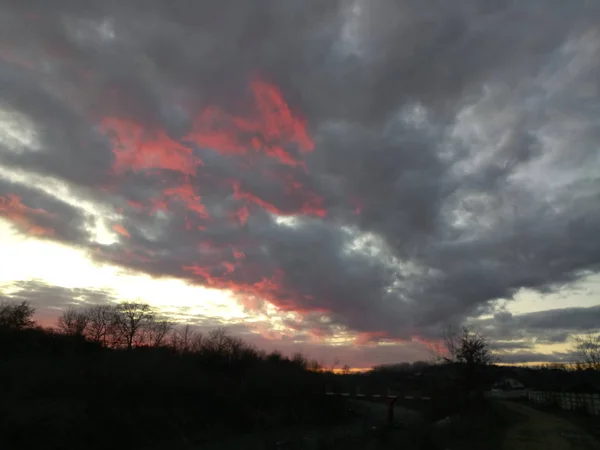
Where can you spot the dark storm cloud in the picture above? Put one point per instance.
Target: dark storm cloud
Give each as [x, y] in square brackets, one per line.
[29, 207]
[44, 296]
[554, 326]
[462, 133]
[532, 357]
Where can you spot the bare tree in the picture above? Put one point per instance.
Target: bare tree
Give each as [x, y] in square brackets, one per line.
[314, 366]
[101, 324]
[73, 322]
[16, 316]
[132, 321]
[299, 360]
[336, 362]
[588, 346]
[468, 352]
[235, 348]
[464, 346]
[217, 341]
[186, 340]
[158, 331]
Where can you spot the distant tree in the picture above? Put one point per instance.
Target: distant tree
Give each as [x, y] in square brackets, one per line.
[588, 347]
[132, 323]
[314, 366]
[336, 362]
[235, 348]
[16, 316]
[346, 369]
[465, 346]
[186, 340]
[101, 325]
[469, 352]
[73, 322]
[275, 357]
[158, 331]
[217, 342]
[299, 360]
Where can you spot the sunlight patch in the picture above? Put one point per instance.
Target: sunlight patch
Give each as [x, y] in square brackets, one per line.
[17, 132]
[100, 217]
[286, 221]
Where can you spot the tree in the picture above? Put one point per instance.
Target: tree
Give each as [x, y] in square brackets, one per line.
[314, 366]
[73, 322]
[101, 324]
[186, 340]
[299, 360]
[158, 331]
[465, 346]
[468, 352]
[16, 316]
[588, 347]
[132, 323]
[217, 342]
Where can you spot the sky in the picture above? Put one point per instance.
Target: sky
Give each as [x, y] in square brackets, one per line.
[344, 178]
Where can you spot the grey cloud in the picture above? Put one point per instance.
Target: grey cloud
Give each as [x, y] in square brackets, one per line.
[65, 222]
[39, 293]
[448, 125]
[532, 357]
[545, 327]
[509, 345]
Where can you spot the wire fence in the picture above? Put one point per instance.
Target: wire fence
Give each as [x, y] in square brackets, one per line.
[571, 401]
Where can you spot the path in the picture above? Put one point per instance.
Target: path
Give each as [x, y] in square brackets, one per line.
[537, 430]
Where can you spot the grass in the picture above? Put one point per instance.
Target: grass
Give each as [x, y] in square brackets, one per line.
[481, 426]
[590, 424]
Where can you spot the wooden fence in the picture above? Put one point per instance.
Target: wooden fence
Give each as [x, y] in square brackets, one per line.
[588, 403]
[389, 397]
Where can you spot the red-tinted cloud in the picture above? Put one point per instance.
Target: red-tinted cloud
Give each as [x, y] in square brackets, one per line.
[271, 129]
[121, 230]
[369, 337]
[271, 288]
[137, 148]
[13, 209]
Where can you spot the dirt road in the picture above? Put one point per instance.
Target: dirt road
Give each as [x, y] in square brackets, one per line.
[537, 430]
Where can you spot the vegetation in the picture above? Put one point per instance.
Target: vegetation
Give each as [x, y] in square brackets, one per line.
[468, 354]
[121, 374]
[588, 347]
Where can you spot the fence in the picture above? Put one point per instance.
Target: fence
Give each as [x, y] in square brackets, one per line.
[389, 396]
[589, 403]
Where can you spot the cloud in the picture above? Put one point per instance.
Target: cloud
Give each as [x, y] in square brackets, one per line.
[40, 294]
[49, 300]
[391, 168]
[509, 333]
[529, 357]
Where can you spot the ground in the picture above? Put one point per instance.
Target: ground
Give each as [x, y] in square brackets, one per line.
[492, 426]
[538, 430]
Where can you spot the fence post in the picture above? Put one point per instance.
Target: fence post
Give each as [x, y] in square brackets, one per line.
[391, 411]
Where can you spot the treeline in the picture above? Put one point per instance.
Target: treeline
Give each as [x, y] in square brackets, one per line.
[123, 375]
[135, 325]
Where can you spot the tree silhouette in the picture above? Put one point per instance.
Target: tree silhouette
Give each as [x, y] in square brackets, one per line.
[16, 316]
[73, 322]
[158, 331]
[132, 322]
[468, 352]
[588, 347]
[101, 324]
